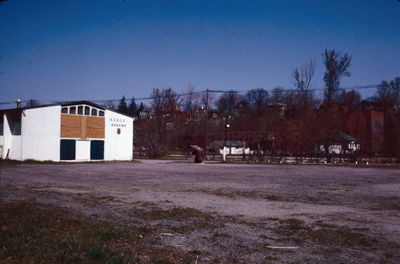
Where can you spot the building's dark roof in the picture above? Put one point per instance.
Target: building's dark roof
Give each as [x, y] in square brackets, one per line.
[67, 103]
[343, 137]
[82, 102]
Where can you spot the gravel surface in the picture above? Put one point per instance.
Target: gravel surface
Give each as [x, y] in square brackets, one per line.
[231, 213]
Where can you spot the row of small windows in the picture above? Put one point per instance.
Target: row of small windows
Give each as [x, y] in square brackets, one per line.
[81, 110]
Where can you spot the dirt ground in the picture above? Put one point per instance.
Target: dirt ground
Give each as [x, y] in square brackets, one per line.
[230, 213]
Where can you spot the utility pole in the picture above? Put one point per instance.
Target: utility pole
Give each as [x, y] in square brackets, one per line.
[206, 120]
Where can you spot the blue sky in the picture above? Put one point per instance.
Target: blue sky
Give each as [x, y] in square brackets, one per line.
[72, 50]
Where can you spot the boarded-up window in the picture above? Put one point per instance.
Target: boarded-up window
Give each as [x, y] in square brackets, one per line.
[75, 126]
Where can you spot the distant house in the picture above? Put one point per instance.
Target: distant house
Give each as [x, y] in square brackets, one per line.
[69, 131]
[230, 147]
[343, 144]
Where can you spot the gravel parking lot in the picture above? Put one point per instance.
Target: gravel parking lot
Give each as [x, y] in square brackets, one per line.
[230, 213]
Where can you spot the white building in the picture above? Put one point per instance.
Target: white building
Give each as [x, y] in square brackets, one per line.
[71, 131]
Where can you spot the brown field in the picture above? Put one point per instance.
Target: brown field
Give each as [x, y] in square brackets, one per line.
[181, 212]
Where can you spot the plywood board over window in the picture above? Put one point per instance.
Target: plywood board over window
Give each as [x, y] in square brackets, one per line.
[95, 127]
[82, 127]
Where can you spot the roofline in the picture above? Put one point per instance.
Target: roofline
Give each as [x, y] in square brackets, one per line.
[82, 102]
[66, 103]
[115, 111]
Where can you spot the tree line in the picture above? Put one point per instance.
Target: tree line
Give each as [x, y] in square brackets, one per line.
[281, 120]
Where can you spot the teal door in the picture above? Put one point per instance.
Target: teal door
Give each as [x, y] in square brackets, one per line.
[67, 149]
[97, 150]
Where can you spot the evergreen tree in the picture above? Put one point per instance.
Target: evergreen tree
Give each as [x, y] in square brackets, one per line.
[141, 107]
[132, 109]
[122, 107]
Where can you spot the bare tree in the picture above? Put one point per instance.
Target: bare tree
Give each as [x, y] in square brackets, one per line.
[302, 77]
[388, 93]
[336, 67]
[207, 100]
[305, 125]
[257, 100]
[165, 107]
[277, 94]
[228, 102]
[352, 99]
[109, 104]
[190, 101]
[170, 101]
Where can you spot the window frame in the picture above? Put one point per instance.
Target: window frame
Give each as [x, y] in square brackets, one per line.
[72, 110]
[79, 110]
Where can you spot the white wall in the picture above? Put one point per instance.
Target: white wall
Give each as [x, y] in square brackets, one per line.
[82, 150]
[1, 141]
[41, 133]
[1, 146]
[15, 149]
[118, 146]
[6, 138]
[11, 144]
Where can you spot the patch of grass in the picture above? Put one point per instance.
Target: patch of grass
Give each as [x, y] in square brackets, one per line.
[181, 220]
[105, 255]
[177, 213]
[92, 200]
[326, 225]
[32, 233]
[244, 194]
[232, 193]
[217, 236]
[322, 233]
[386, 203]
[341, 236]
[273, 197]
[29, 161]
[291, 227]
